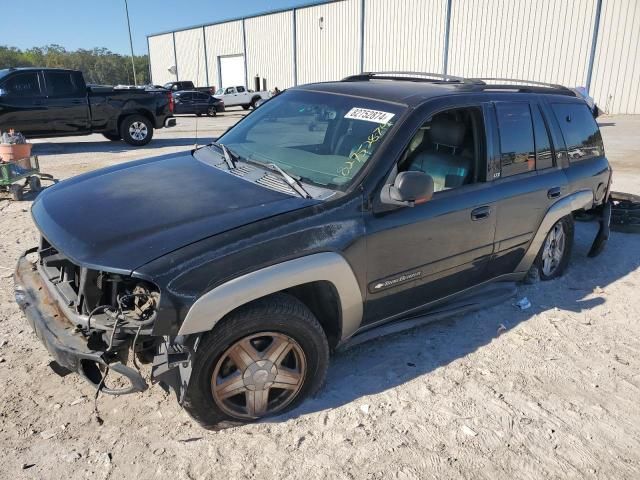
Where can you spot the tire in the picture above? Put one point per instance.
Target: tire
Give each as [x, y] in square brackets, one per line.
[272, 319]
[254, 102]
[212, 112]
[17, 192]
[34, 184]
[114, 137]
[552, 266]
[136, 130]
[246, 107]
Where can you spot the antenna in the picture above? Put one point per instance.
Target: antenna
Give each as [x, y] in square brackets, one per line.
[197, 81]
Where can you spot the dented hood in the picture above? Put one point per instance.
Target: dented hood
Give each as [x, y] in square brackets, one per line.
[120, 218]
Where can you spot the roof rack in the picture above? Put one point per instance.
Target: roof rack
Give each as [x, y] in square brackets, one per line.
[523, 86]
[411, 77]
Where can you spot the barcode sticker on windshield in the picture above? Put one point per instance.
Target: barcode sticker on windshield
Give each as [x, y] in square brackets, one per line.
[369, 115]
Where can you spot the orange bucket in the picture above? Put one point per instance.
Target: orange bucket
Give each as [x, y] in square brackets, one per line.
[10, 152]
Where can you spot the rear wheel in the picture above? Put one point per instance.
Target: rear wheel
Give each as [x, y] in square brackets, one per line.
[114, 137]
[554, 254]
[136, 130]
[246, 107]
[263, 359]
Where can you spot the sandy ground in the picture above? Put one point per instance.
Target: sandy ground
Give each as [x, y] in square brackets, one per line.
[550, 392]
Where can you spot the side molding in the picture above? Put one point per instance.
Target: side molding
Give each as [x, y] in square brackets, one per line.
[576, 201]
[332, 267]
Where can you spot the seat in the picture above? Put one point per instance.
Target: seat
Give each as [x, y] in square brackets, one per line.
[448, 169]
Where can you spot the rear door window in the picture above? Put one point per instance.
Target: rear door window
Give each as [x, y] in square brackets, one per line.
[22, 85]
[60, 84]
[580, 131]
[544, 154]
[516, 138]
[240, 89]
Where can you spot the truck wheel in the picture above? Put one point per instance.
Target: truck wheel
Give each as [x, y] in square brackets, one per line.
[263, 359]
[17, 192]
[246, 107]
[212, 112]
[556, 249]
[136, 130]
[114, 137]
[255, 102]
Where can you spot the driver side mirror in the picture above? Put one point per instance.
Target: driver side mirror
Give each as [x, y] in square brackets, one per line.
[408, 189]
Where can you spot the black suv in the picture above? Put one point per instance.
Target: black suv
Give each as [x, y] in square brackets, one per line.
[335, 212]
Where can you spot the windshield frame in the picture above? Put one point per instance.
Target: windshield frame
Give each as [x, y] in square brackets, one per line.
[371, 162]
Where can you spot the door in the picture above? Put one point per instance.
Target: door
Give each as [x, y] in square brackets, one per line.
[528, 183]
[243, 95]
[201, 102]
[67, 102]
[22, 103]
[231, 97]
[232, 71]
[420, 254]
[184, 102]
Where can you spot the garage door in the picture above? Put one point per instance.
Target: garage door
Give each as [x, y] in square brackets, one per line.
[231, 71]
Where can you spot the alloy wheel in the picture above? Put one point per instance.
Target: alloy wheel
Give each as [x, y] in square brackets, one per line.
[258, 375]
[553, 250]
[138, 131]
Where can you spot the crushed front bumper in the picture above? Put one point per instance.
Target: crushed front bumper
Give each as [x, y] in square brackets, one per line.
[64, 342]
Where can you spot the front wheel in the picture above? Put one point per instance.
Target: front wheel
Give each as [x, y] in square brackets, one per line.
[136, 130]
[212, 112]
[263, 359]
[554, 254]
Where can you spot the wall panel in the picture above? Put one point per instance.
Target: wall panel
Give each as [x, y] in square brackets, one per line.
[616, 72]
[404, 35]
[328, 40]
[161, 56]
[270, 49]
[190, 54]
[222, 39]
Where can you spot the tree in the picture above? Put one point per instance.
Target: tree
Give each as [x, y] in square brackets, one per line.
[99, 65]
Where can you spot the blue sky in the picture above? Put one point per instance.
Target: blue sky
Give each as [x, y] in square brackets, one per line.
[87, 24]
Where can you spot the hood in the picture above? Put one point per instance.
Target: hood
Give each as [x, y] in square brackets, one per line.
[120, 218]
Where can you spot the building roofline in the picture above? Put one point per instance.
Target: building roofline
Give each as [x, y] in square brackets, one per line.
[313, 3]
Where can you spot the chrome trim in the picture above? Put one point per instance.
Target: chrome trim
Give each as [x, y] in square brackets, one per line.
[327, 266]
[576, 201]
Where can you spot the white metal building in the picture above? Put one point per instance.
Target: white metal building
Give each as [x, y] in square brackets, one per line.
[592, 43]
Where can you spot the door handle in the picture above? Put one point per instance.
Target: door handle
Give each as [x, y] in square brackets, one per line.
[554, 192]
[480, 213]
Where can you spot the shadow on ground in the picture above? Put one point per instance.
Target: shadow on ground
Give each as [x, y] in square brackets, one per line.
[387, 362]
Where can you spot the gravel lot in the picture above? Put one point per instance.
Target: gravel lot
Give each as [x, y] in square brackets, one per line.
[550, 392]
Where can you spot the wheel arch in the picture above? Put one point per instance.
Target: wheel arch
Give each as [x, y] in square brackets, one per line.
[145, 113]
[324, 282]
[580, 200]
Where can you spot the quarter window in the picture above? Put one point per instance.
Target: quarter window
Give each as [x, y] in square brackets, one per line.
[580, 131]
[516, 138]
[544, 154]
[23, 85]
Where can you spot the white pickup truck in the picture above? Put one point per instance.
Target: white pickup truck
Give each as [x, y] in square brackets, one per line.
[239, 96]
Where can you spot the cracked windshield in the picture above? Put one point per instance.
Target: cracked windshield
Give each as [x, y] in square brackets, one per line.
[318, 138]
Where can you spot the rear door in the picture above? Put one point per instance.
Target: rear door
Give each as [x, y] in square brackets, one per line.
[243, 95]
[528, 179]
[183, 102]
[231, 96]
[22, 103]
[66, 102]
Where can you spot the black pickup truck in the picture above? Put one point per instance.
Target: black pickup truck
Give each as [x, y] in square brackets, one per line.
[333, 213]
[51, 102]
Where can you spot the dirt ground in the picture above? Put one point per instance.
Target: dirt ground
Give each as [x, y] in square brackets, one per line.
[549, 392]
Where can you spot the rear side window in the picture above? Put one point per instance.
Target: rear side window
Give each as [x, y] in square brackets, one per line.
[516, 138]
[580, 131]
[240, 89]
[22, 85]
[60, 84]
[544, 155]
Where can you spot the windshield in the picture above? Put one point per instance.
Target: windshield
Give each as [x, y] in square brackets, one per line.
[320, 138]
[220, 91]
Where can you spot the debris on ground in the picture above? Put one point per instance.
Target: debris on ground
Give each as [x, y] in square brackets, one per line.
[523, 303]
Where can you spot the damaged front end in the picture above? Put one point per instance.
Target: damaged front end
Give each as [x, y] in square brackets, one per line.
[89, 320]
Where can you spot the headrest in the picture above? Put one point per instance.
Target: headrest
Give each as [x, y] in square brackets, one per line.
[447, 132]
[417, 140]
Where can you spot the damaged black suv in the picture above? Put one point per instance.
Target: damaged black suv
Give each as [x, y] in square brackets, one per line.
[333, 213]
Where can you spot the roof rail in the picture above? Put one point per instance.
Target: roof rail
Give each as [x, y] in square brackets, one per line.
[525, 83]
[410, 76]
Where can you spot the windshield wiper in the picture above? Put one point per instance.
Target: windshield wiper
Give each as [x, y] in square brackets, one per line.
[227, 156]
[293, 183]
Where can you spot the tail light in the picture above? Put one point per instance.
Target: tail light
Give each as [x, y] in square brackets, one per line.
[171, 103]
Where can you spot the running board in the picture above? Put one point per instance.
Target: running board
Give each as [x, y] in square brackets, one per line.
[488, 296]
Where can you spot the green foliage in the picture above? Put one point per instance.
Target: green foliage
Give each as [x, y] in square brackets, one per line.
[99, 65]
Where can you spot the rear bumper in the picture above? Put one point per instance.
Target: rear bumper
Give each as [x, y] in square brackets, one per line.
[170, 122]
[65, 344]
